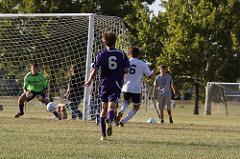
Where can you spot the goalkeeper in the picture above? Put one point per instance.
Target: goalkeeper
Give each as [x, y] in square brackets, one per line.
[35, 86]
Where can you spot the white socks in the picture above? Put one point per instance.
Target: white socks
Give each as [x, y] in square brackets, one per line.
[124, 107]
[129, 115]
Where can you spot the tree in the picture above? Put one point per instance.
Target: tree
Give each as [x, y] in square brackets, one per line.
[203, 41]
[8, 6]
[146, 32]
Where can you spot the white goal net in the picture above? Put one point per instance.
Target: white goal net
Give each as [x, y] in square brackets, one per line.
[55, 42]
[222, 98]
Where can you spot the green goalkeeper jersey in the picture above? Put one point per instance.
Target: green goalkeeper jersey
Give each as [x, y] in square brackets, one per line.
[35, 83]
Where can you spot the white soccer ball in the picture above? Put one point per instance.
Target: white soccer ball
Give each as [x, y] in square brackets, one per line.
[51, 107]
[152, 120]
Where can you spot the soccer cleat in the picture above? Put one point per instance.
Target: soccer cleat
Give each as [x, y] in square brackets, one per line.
[108, 126]
[118, 117]
[58, 118]
[161, 122]
[19, 114]
[171, 121]
[121, 124]
[103, 138]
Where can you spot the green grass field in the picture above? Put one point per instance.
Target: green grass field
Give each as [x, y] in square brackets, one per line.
[191, 136]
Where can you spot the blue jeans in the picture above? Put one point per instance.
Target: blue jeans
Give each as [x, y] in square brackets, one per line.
[74, 104]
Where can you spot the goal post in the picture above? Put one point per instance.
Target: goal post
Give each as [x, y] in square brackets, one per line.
[221, 94]
[55, 41]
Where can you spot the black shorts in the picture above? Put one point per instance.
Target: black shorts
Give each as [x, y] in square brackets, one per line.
[37, 93]
[135, 97]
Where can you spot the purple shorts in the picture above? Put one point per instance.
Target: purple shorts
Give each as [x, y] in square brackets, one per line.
[110, 91]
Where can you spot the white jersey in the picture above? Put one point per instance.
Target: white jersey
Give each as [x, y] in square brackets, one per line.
[132, 80]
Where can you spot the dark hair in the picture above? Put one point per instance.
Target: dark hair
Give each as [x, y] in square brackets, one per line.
[134, 51]
[74, 69]
[34, 64]
[163, 67]
[109, 39]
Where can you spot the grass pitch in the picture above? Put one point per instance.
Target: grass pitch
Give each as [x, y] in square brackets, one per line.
[191, 136]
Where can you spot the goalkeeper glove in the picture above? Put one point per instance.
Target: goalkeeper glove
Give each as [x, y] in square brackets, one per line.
[29, 94]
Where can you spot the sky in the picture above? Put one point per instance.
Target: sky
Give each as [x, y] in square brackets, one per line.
[155, 7]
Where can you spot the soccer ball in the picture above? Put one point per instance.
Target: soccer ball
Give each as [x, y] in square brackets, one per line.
[29, 94]
[51, 107]
[152, 120]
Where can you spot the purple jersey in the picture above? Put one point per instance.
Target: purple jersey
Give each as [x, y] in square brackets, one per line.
[112, 63]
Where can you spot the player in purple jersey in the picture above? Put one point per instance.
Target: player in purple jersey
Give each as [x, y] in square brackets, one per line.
[113, 64]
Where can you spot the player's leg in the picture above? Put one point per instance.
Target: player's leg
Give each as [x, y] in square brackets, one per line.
[126, 102]
[161, 107]
[64, 112]
[23, 98]
[103, 116]
[110, 116]
[74, 109]
[59, 110]
[168, 104]
[112, 108]
[136, 100]
[71, 106]
[114, 93]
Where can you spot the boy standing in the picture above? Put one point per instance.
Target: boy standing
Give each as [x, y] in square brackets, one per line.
[132, 85]
[114, 64]
[163, 84]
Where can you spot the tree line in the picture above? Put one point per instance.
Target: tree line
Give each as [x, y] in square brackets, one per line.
[198, 40]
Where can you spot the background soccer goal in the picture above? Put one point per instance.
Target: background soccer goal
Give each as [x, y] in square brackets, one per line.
[222, 98]
[55, 42]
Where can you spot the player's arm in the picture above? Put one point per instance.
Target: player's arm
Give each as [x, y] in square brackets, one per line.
[154, 88]
[92, 75]
[26, 83]
[174, 90]
[126, 70]
[154, 91]
[126, 64]
[153, 73]
[68, 92]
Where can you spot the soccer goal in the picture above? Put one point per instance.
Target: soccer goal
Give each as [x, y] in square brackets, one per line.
[222, 98]
[55, 42]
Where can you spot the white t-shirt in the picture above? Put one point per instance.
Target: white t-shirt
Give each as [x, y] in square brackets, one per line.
[132, 80]
[163, 84]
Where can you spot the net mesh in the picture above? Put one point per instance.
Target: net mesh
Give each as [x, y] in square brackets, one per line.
[223, 98]
[56, 43]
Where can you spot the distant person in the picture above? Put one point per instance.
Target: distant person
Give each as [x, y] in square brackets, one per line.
[113, 64]
[132, 85]
[35, 85]
[75, 92]
[163, 84]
